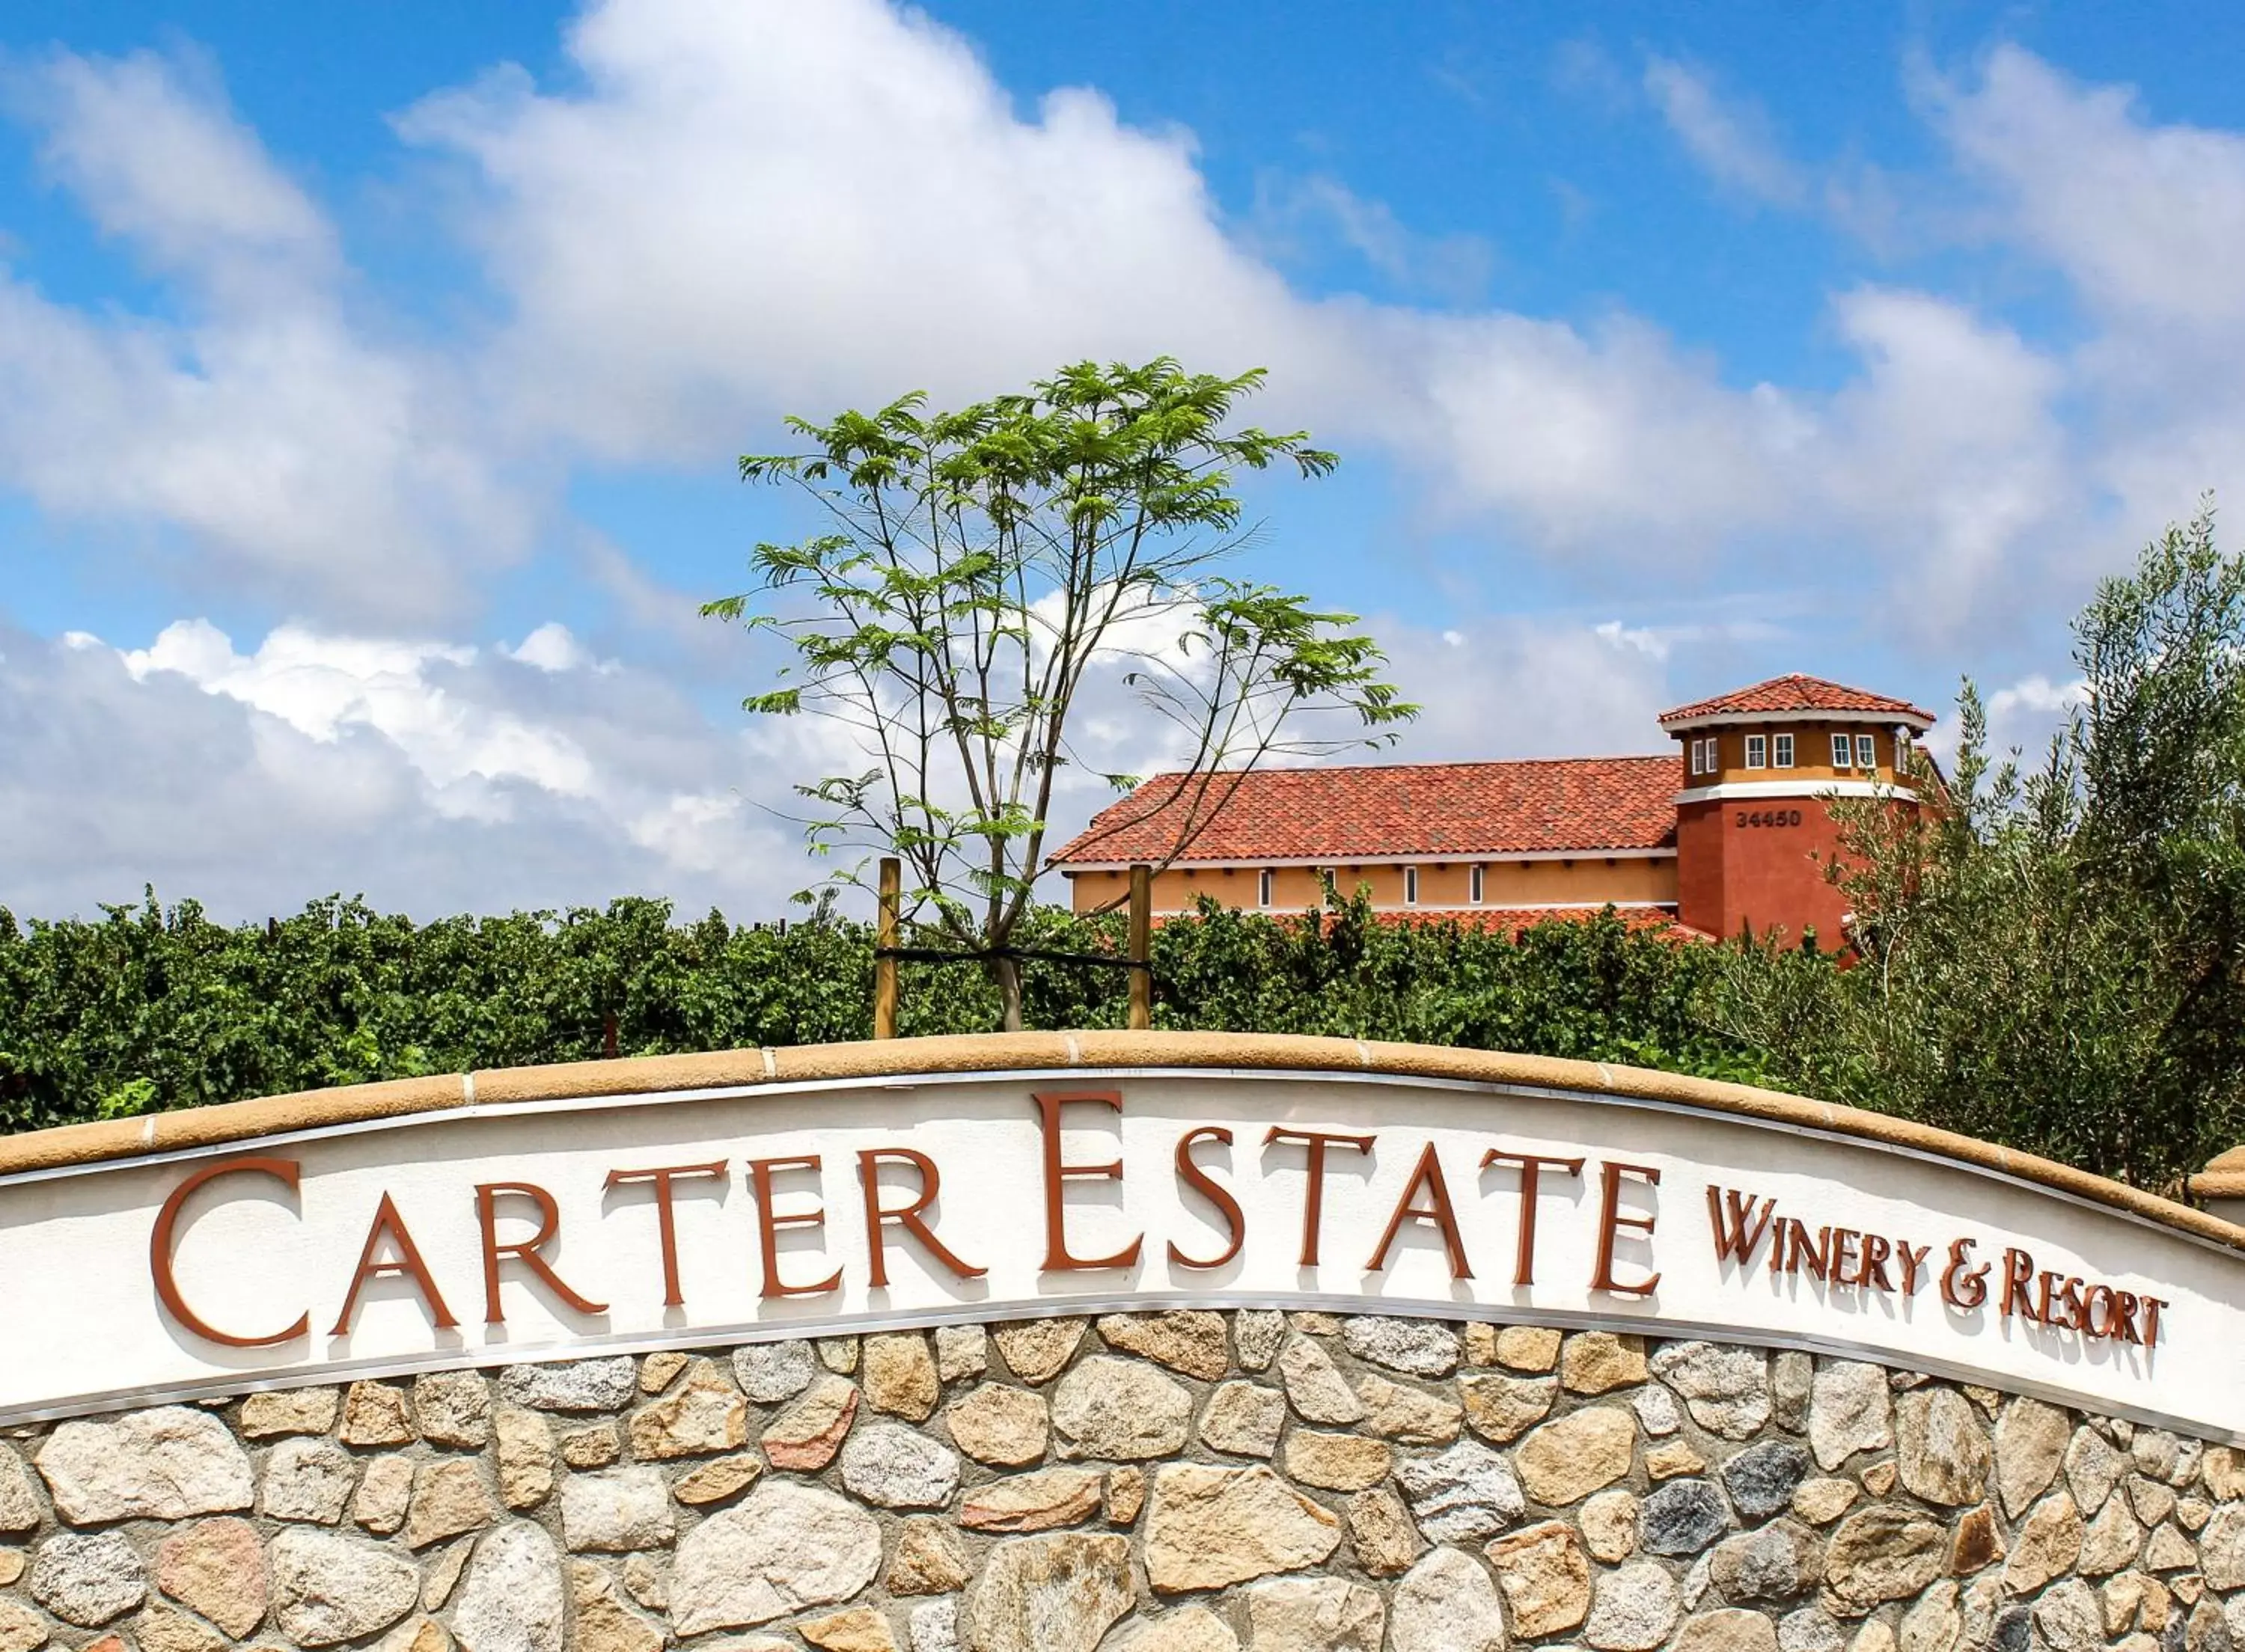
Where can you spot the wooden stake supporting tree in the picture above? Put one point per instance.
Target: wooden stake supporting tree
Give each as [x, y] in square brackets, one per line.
[1138, 956]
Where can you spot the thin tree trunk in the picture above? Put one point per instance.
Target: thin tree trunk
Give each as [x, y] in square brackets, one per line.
[1007, 973]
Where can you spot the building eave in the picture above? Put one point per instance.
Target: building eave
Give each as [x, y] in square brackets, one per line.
[1742, 790]
[1913, 720]
[1447, 857]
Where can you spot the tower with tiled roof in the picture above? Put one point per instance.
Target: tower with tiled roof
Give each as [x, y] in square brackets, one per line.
[1752, 824]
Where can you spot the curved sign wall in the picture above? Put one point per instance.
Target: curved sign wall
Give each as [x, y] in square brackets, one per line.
[516, 1217]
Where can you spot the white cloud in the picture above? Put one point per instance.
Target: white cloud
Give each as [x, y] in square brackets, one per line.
[1521, 688]
[320, 686]
[742, 209]
[2023, 715]
[161, 164]
[1952, 443]
[2147, 220]
[1293, 215]
[295, 454]
[2145, 223]
[434, 776]
[1730, 138]
[1649, 642]
[553, 646]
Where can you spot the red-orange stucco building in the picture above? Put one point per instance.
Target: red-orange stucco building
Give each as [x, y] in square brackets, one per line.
[1722, 835]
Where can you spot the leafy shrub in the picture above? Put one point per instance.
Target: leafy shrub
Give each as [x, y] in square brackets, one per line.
[154, 1007]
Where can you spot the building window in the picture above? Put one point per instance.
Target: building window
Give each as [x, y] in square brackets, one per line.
[1410, 886]
[1867, 752]
[1840, 757]
[1263, 880]
[1757, 751]
[1473, 886]
[1784, 751]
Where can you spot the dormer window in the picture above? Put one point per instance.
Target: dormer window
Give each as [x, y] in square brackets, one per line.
[1757, 751]
[1784, 751]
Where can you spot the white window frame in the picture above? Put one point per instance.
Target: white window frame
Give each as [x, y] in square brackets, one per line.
[1782, 753]
[1757, 751]
[1867, 751]
[1474, 886]
[1264, 882]
[1842, 752]
[1410, 886]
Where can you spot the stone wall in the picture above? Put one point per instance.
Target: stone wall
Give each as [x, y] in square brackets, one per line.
[1182, 1482]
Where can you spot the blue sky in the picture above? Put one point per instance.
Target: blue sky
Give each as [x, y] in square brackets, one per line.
[377, 373]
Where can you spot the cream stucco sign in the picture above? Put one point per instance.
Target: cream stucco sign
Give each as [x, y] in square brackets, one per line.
[626, 1206]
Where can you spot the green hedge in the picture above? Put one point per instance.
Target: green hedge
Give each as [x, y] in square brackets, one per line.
[154, 1007]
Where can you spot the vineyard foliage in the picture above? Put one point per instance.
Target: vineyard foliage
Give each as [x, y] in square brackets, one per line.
[154, 1007]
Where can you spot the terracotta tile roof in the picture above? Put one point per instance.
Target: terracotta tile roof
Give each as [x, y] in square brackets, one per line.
[1586, 804]
[1797, 693]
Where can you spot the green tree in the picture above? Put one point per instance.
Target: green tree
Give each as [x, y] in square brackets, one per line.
[2054, 958]
[980, 563]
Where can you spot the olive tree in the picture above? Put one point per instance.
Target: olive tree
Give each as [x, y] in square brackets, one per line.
[2052, 956]
[979, 566]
